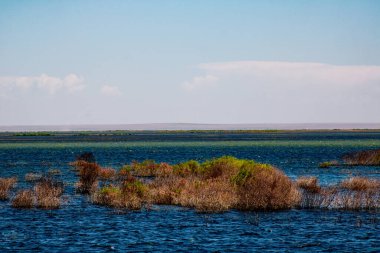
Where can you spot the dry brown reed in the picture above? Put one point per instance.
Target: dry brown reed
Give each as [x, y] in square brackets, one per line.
[130, 194]
[355, 193]
[88, 177]
[267, 189]
[222, 184]
[32, 177]
[308, 184]
[23, 199]
[225, 183]
[361, 184]
[107, 174]
[366, 157]
[6, 184]
[212, 195]
[47, 193]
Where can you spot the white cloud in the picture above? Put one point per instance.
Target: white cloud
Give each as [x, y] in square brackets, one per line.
[254, 91]
[51, 84]
[109, 90]
[200, 82]
[297, 73]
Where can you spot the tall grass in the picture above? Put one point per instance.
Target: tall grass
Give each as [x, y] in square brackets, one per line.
[266, 188]
[354, 193]
[308, 184]
[128, 194]
[225, 183]
[47, 193]
[6, 184]
[107, 174]
[219, 185]
[23, 199]
[88, 177]
[366, 157]
[361, 184]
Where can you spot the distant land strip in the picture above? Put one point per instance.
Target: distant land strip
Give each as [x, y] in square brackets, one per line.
[190, 126]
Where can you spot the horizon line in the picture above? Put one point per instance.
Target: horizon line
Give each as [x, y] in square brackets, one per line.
[190, 126]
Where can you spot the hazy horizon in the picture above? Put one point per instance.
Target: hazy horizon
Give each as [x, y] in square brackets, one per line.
[190, 126]
[124, 62]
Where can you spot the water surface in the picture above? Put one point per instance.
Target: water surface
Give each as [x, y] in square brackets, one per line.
[78, 225]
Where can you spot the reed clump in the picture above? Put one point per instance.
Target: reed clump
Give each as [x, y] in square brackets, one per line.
[6, 184]
[107, 174]
[355, 193]
[211, 195]
[23, 199]
[130, 194]
[149, 168]
[33, 177]
[224, 183]
[366, 157]
[88, 177]
[308, 184]
[221, 184]
[328, 164]
[360, 184]
[266, 188]
[47, 193]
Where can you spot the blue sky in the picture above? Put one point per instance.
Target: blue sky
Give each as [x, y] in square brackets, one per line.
[99, 62]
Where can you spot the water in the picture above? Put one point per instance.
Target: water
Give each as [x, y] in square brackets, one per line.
[78, 225]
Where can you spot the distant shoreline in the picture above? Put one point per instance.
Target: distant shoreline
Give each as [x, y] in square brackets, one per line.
[186, 127]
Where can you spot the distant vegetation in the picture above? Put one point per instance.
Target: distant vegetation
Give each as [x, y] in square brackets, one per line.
[33, 134]
[328, 164]
[365, 158]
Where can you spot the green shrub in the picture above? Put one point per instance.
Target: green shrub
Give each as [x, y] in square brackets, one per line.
[187, 168]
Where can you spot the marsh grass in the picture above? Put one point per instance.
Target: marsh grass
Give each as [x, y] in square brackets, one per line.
[32, 177]
[225, 183]
[6, 184]
[47, 193]
[361, 184]
[366, 157]
[308, 184]
[328, 164]
[130, 194]
[149, 168]
[23, 199]
[88, 177]
[218, 185]
[267, 189]
[355, 193]
[107, 174]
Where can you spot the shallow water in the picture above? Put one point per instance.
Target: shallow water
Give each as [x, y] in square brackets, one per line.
[80, 225]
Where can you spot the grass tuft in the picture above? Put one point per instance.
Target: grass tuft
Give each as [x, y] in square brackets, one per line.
[88, 177]
[47, 193]
[23, 199]
[360, 184]
[366, 157]
[6, 184]
[308, 184]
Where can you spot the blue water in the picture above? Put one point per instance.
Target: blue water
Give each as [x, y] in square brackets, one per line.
[79, 225]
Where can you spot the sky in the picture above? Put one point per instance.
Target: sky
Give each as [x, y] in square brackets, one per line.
[230, 62]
